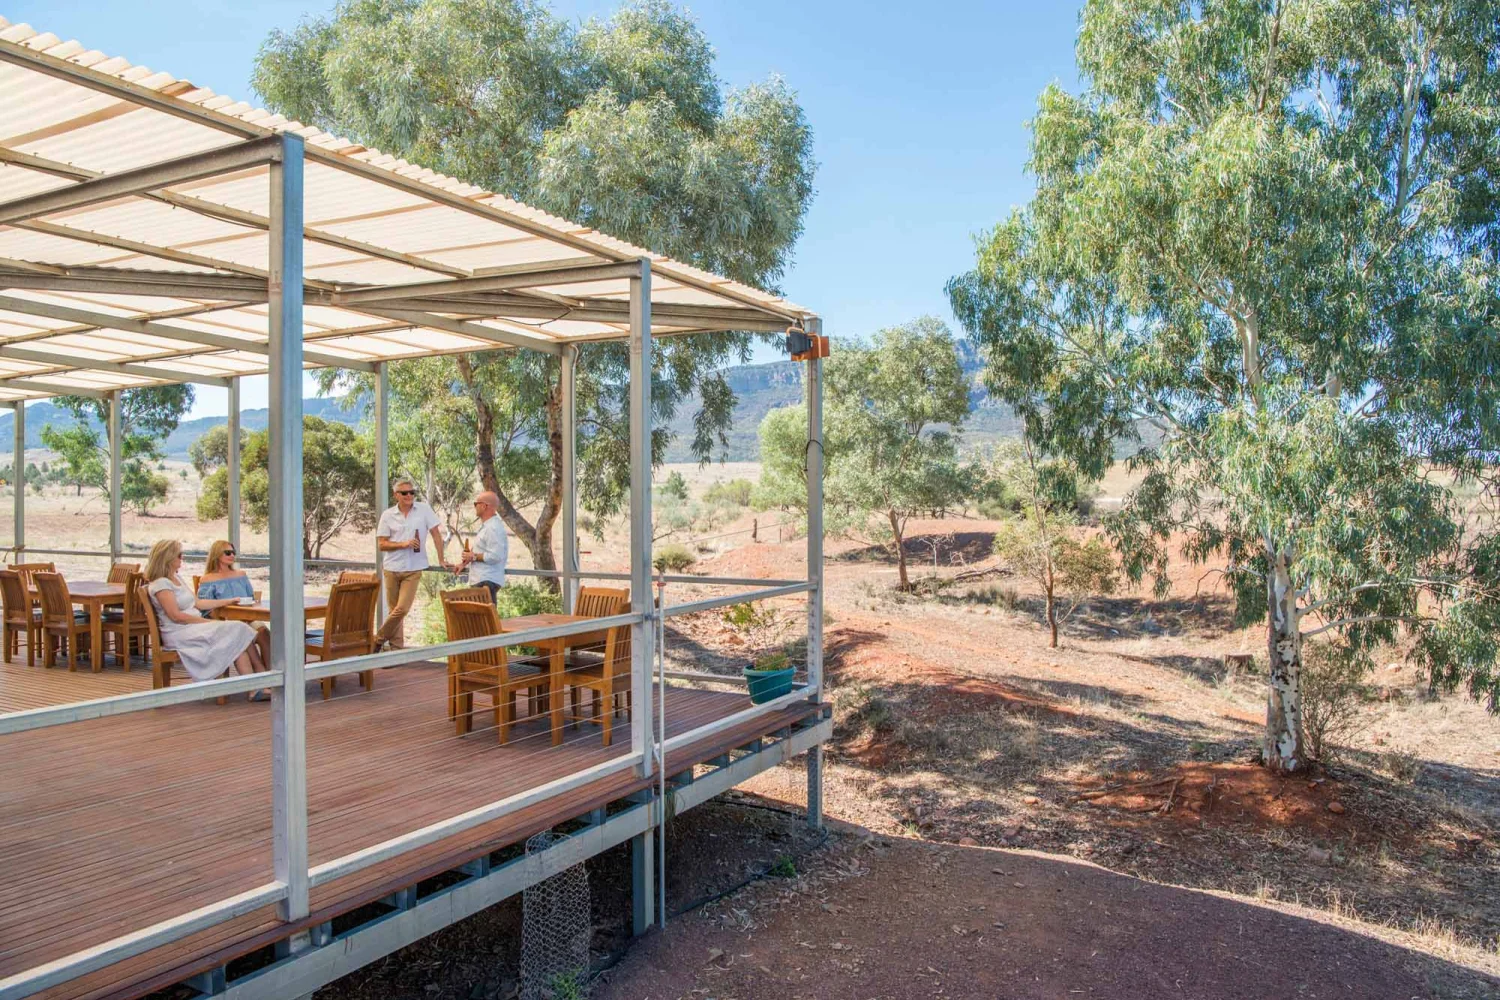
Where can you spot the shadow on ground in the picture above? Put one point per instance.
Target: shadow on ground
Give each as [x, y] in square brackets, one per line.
[902, 918]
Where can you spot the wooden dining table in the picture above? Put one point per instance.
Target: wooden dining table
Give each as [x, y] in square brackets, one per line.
[93, 596]
[260, 611]
[557, 650]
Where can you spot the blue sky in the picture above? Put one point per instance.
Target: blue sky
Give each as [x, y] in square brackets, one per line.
[918, 113]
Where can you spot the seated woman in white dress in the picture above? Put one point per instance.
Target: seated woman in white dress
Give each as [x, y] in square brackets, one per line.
[208, 648]
[221, 577]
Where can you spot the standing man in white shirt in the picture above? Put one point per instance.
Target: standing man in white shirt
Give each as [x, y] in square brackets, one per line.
[399, 536]
[488, 550]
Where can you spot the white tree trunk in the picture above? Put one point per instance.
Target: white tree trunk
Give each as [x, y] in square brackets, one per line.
[1282, 749]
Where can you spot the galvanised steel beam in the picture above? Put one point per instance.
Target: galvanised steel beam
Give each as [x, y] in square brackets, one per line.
[115, 491]
[568, 385]
[152, 328]
[532, 278]
[503, 338]
[382, 418]
[642, 635]
[233, 464]
[289, 699]
[127, 183]
[72, 362]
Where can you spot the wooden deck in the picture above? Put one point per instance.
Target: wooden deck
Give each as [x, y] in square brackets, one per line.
[113, 824]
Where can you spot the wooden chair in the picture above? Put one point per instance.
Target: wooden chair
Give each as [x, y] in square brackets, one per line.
[127, 627]
[601, 602]
[606, 677]
[358, 576]
[348, 629]
[197, 582]
[19, 616]
[445, 596]
[162, 658]
[61, 624]
[488, 671]
[28, 573]
[120, 572]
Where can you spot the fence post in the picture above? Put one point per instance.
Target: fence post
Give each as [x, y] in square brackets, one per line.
[814, 377]
[18, 481]
[567, 380]
[115, 499]
[233, 460]
[382, 406]
[644, 631]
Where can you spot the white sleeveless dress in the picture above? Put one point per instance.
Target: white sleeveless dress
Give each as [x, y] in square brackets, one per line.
[208, 648]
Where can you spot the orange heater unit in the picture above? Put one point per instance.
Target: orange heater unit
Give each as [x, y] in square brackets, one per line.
[804, 346]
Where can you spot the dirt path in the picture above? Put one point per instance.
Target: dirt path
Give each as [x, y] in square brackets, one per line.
[896, 918]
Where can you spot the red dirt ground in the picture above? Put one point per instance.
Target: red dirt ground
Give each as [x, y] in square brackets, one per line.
[912, 919]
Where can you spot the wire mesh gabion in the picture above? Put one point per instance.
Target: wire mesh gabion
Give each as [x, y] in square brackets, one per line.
[556, 929]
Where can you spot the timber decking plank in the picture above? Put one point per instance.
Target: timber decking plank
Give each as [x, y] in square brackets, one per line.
[112, 824]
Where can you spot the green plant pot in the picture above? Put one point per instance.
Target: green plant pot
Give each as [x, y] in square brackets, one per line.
[768, 685]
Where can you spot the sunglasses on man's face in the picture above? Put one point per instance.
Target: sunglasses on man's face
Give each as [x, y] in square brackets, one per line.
[405, 493]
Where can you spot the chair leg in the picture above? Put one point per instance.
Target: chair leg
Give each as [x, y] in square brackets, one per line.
[607, 716]
[367, 679]
[505, 708]
[33, 636]
[8, 641]
[72, 646]
[464, 721]
[327, 688]
[577, 699]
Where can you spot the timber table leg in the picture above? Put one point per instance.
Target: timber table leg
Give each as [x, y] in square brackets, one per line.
[557, 659]
[96, 635]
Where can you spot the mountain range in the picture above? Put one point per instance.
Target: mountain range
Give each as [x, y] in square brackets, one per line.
[758, 389]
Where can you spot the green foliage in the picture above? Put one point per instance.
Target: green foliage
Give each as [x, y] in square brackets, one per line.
[778, 660]
[892, 415]
[338, 483]
[81, 449]
[1333, 687]
[432, 435]
[515, 599]
[1264, 247]
[620, 125]
[785, 867]
[211, 451]
[735, 492]
[746, 617]
[141, 488]
[1041, 542]
[673, 558]
[675, 486]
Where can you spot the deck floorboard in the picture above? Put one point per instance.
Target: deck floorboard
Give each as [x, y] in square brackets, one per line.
[113, 824]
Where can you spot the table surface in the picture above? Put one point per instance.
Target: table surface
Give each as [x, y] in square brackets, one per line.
[93, 590]
[309, 603]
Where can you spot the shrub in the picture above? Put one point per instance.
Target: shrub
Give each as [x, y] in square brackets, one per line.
[736, 492]
[673, 558]
[527, 599]
[1332, 688]
[675, 486]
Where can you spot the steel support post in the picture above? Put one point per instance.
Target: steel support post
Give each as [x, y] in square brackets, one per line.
[382, 472]
[113, 430]
[814, 376]
[643, 881]
[567, 383]
[289, 707]
[643, 633]
[18, 482]
[233, 463]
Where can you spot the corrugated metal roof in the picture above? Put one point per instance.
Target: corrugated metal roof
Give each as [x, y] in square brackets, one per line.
[168, 284]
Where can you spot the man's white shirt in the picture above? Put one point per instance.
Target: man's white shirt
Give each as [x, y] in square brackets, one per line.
[399, 527]
[491, 543]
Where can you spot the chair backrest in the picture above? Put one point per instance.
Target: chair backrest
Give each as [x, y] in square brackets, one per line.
[358, 576]
[148, 608]
[465, 594]
[13, 596]
[349, 625]
[474, 620]
[197, 583]
[134, 581]
[601, 602]
[617, 652]
[57, 603]
[120, 572]
[30, 570]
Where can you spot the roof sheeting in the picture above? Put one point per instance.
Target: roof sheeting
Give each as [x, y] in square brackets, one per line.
[168, 284]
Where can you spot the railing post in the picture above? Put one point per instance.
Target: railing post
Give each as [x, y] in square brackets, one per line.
[18, 474]
[640, 517]
[233, 463]
[289, 707]
[382, 407]
[567, 382]
[115, 491]
[814, 377]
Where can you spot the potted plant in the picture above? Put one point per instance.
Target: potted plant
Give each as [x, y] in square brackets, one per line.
[769, 677]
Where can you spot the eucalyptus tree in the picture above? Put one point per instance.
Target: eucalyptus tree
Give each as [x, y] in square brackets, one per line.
[1265, 245]
[893, 411]
[618, 124]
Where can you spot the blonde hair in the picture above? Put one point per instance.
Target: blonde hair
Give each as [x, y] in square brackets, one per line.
[159, 563]
[215, 554]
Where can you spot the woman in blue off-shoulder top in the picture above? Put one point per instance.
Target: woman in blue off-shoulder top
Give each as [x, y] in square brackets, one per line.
[220, 579]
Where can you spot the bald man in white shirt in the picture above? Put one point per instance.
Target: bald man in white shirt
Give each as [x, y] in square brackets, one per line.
[489, 548]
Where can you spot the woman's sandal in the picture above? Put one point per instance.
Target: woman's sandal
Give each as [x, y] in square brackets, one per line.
[264, 694]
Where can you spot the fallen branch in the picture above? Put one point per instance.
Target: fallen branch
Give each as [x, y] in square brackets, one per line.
[1096, 793]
